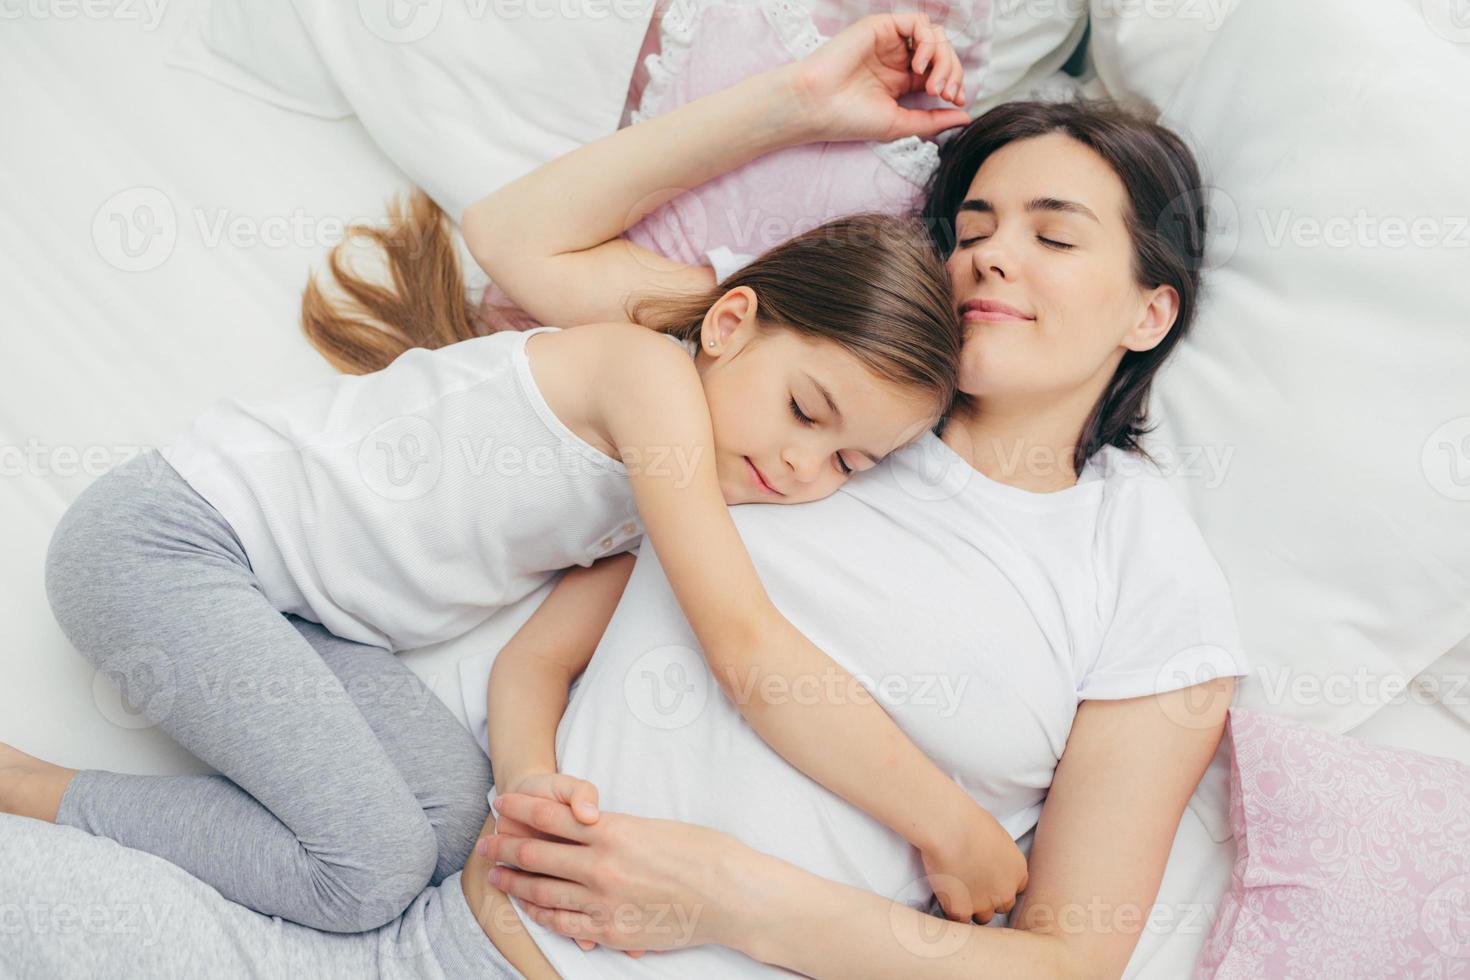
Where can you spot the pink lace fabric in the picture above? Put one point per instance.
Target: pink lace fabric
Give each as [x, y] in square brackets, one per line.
[1353, 860]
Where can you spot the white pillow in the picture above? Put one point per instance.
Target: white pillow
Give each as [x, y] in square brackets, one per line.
[1319, 418]
[1142, 50]
[1029, 41]
[261, 48]
[463, 96]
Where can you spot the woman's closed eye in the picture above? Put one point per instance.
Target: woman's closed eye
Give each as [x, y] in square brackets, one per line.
[806, 419]
[1049, 242]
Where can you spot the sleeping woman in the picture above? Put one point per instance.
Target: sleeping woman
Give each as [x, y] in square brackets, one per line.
[1076, 598]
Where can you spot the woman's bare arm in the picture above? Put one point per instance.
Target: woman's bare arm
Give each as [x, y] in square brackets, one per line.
[550, 239]
[1096, 862]
[1105, 834]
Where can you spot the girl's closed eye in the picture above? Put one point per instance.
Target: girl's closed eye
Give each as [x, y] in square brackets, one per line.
[806, 419]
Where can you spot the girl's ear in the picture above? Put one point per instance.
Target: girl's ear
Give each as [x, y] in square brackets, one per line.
[729, 321]
[1157, 319]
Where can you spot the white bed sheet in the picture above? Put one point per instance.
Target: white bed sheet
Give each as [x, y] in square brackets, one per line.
[102, 360]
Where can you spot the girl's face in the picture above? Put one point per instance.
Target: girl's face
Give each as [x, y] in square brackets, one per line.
[1043, 274]
[793, 417]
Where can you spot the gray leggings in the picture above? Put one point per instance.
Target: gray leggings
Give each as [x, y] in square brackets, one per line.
[346, 786]
[74, 905]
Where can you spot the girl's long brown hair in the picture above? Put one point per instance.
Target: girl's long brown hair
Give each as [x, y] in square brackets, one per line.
[424, 304]
[871, 283]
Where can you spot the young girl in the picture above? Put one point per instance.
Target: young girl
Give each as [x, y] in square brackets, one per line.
[401, 507]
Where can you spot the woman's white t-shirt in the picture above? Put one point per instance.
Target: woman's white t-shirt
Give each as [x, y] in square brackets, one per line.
[979, 615]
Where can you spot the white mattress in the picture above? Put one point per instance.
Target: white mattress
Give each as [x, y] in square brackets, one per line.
[103, 360]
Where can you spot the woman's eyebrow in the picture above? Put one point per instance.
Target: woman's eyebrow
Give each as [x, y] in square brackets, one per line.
[1036, 204]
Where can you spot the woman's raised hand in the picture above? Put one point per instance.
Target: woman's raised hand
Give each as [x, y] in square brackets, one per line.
[850, 86]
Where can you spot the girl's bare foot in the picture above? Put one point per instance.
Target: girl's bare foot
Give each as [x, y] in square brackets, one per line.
[31, 787]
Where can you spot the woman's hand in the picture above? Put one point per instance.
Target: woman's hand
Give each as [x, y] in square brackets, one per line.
[850, 86]
[627, 882]
[976, 870]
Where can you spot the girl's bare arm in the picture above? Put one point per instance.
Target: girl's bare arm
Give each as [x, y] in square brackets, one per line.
[649, 395]
[529, 681]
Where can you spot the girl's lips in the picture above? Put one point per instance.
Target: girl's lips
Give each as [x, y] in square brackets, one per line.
[760, 481]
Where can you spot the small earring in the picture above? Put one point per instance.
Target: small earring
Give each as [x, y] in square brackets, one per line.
[709, 343]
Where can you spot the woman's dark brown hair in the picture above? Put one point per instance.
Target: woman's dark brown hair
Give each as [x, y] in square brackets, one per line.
[871, 283]
[1165, 219]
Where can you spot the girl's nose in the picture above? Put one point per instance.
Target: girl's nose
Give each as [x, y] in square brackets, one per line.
[805, 464]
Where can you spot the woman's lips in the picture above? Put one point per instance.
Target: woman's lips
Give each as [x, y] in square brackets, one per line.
[990, 310]
[991, 316]
[760, 481]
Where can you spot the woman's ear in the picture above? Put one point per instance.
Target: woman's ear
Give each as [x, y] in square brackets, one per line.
[1158, 316]
[729, 321]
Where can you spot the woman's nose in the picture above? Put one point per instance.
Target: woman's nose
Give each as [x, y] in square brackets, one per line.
[992, 258]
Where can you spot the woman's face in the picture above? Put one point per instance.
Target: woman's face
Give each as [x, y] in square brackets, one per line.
[1042, 234]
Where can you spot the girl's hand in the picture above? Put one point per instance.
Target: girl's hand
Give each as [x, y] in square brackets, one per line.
[849, 87]
[630, 883]
[580, 797]
[576, 793]
[976, 871]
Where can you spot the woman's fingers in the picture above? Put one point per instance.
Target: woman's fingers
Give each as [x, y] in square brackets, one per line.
[505, 825]
[952, 80]
[944, 80]
[543, 857]
[924, 45]
[551, 893]
[932, 53]
[549, 816]
[929, 123]
[577, 925]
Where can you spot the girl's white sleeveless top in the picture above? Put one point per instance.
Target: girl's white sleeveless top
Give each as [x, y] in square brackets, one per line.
[403, 507]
